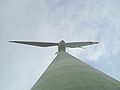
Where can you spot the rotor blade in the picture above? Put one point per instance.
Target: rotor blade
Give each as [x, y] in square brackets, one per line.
[79, 44]
[41, 44]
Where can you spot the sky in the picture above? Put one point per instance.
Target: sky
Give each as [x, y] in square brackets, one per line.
[54, 20]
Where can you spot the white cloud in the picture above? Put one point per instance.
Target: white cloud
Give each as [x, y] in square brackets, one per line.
[45, 20]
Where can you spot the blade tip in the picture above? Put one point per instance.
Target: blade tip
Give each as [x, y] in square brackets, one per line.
[12, 41]
[94, 42]
[97, 42]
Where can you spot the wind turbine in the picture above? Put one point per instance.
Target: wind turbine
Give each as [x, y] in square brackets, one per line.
[69, 73]
[61, 45]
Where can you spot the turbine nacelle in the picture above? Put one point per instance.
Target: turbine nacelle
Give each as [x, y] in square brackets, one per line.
[61, 45]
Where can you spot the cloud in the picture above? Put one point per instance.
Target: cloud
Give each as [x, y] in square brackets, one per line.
[50, 20]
